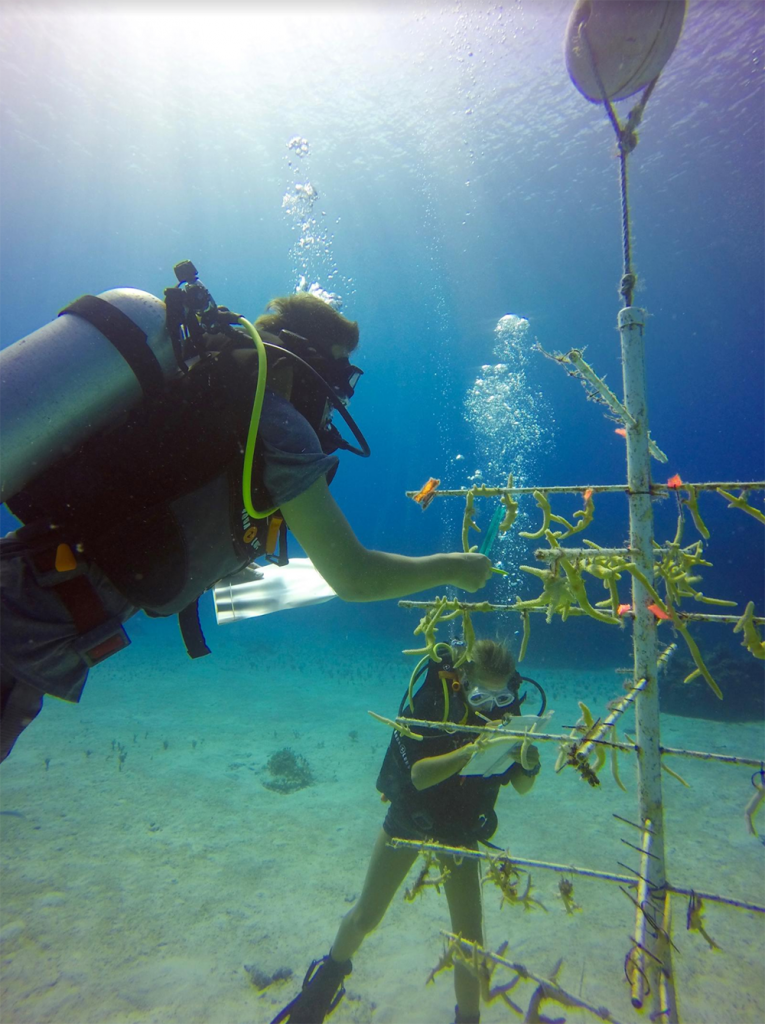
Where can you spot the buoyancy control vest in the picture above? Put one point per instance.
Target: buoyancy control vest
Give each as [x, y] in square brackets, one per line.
[156, 500]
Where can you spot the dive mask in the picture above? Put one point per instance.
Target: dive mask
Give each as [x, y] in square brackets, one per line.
[480, 698]
[322, 383]
[487, 698]
[340, 374]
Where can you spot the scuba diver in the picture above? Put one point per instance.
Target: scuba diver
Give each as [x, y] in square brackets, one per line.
[152, 449]
[430, 800]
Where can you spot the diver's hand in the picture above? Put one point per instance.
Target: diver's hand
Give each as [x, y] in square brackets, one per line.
[471, 570]
[483, 739]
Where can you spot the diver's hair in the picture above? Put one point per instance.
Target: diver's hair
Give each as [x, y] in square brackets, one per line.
[312, 318]
[491, 658]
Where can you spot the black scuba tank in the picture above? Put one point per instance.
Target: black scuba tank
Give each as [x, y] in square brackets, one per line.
[77, 376]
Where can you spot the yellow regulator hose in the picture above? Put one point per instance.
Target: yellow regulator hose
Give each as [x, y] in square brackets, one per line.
[252, 433]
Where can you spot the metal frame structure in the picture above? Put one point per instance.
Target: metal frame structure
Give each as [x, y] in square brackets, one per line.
[649, 962]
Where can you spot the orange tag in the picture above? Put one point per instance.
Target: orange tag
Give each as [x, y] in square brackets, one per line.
[427, 493]
[674, 483]
[588, 494]
[658, 612]
[65, 560]
[624, 609]
[621, 432]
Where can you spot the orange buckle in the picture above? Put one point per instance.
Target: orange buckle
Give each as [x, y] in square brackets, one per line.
[454, 677]
[273, 534]
[65, 560]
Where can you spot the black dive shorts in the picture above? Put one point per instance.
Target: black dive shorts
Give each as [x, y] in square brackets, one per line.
[419, 826]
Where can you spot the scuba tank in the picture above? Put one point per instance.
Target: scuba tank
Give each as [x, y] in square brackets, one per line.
[84, 373]
[78, 375]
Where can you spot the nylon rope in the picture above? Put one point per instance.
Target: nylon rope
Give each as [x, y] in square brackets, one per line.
[627, 139]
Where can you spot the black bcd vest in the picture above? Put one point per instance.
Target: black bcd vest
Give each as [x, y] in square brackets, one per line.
[156, 501]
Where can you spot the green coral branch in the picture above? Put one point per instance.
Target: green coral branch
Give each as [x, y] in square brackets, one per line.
[428, 624]
[511, 507]
[586, 518]
[444, 610]
[556, 595]
[586, 372]
[680, 626]
[526, 634]
[468, 523]
[742, 503]
[752, 639]
[675, 568]
[579, 591]
[692, 501]
[548, 516]
[544, 504]
[469, 634]
[561, 592]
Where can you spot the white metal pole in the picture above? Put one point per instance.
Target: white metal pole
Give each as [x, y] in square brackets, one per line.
[631, 324]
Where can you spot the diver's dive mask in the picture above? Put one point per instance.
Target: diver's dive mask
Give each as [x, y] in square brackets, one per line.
[319, 380]
[488, 699]
[339, 373]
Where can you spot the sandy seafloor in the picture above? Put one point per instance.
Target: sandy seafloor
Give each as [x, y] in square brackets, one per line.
[137, 895]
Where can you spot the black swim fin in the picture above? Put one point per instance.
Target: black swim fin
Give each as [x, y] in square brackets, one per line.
[322, 990]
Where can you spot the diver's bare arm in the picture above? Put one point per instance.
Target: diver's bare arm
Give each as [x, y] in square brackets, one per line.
[429, 771]
[358, 574]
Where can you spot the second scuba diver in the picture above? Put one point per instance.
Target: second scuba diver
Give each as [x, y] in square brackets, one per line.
[430, 799]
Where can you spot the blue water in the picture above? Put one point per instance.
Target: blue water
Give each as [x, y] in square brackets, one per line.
[461, 178]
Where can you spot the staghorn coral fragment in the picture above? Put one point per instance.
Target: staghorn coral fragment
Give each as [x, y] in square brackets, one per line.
[585, 517]
[525, 743]
[469, 635]
[599, 391]
[582, 765]
[694, 921]
[468, 522]
[511, 507]
[615, 761]
[589, 725]
[679, 626]
[397, 726]
[526, 635]
[692, 501]
[566, 893]
[675, 775]
[576, 583]
[445, 962]
[752, 640]
[424, 880]
[544, 504]
[742, 503]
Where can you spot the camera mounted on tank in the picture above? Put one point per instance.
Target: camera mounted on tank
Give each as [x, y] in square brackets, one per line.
[197, 299]
[185, 272]
[191, 312]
